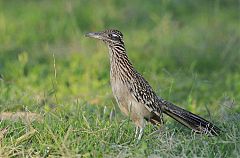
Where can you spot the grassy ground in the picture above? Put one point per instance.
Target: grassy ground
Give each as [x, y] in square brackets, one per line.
[188, 51]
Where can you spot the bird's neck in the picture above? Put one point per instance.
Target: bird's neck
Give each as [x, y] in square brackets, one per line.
[119, 61]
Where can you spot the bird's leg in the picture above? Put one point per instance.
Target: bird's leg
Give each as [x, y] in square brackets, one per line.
[136, 131]
[140, 125]
[140, 133]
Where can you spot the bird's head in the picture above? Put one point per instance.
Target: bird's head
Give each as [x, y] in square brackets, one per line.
[110, 37]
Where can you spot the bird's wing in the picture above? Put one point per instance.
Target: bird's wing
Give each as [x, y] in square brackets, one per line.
[143, 93]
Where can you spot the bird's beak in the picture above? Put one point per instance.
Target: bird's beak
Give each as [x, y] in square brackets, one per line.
[94, 35]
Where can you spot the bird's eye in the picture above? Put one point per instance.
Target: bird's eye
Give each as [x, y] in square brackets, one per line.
[113, 35]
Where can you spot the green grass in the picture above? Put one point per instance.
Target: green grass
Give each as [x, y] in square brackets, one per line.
[188, 51]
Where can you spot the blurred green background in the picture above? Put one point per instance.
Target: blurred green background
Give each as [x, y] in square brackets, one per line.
[188, 51]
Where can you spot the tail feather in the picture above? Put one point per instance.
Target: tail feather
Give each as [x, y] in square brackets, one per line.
[193, 121]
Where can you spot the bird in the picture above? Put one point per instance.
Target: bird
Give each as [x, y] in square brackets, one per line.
[135, 96]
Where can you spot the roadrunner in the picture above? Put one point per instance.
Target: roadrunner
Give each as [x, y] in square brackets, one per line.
[135, 96]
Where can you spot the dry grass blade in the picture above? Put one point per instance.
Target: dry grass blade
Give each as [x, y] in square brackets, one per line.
[25, 136]
[24, 116]
[3, 133]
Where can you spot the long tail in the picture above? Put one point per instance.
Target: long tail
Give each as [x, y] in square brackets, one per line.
[193, 121]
